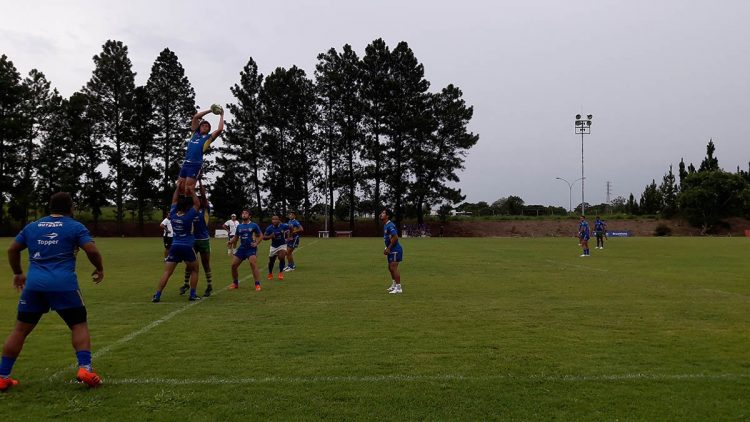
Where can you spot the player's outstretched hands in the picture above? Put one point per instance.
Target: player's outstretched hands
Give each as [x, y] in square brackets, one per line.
[97, 276]
[19, 281]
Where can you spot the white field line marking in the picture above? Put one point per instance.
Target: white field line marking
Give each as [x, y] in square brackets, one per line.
[576, 266]
[147, 328]
[423, 378]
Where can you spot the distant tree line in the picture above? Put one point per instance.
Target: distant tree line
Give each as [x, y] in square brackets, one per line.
[360, 134]
[704, 196]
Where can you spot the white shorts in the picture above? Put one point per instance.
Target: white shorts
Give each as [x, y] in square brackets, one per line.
[275, 251]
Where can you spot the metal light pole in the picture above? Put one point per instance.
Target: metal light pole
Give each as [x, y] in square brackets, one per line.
[583, 127]
[570, 191]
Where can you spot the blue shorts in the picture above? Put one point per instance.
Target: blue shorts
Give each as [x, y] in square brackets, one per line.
[245, 253]
[584, 237]
[190, 170]
[38, 301]
[294, 243]
[179, 253]
[396, 255]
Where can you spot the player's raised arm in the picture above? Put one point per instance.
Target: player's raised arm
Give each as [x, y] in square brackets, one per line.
[176, 195]
[92, 252]
[196, 201]
[215, 133]
[197, 119]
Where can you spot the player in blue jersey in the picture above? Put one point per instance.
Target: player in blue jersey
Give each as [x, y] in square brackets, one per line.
[51, 283]
[292, 243]
[600, 230]
[584, 234]
[393, 250]
[183, 211]
[197, 145]
[201, 245]
[249, 236]
[277, 233]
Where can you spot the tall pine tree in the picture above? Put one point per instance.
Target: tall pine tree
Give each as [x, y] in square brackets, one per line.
[111, 93]
[173, 103]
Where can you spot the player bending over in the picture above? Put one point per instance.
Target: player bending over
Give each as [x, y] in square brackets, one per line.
[51, 283]
[182, 213]
[197, 145]
[292, 243]
[249, 236]
[201, 245]
[393, 250]
[276, 232]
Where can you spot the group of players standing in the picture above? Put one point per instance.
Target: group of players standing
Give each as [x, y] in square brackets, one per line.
[186, 229]
[584, 234]
[53, 243]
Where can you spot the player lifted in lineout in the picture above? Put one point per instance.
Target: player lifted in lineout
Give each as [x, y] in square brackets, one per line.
[393, 250]
[249, 236]
[197, 145]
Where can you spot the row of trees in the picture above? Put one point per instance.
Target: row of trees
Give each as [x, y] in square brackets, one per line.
[363, 132]
[704, 195]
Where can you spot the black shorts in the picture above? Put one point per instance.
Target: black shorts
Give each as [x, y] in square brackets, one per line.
[167, 242]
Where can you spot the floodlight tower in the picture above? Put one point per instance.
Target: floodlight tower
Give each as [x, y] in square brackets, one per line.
[583, 127]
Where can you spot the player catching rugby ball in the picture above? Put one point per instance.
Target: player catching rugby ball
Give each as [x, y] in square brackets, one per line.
[197, 145]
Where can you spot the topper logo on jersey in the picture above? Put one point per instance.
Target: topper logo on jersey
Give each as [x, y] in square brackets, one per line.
[51, 239]
[50, 224]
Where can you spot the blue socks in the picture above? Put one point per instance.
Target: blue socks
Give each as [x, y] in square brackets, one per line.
[193, 293]
[84, 359]
[236, 282]
[158, 294]
[6, 365]
[257, 282]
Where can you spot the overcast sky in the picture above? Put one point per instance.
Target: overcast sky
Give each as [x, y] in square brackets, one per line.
[661, 77]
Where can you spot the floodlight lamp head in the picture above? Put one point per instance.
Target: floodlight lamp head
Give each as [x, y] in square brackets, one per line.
[590, 116]
[578, 116]
[588, 122]
[578, 123]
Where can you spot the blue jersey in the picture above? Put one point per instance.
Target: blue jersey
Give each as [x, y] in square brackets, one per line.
[279, 234]
[200, 225]
[247, 233]
[293, 224]
[390, 230]
[52, 243]
[182, 226]
[195, 147]
[599, 225]
[583, 228]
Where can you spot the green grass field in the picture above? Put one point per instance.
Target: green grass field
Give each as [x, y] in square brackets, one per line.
[487, 329]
